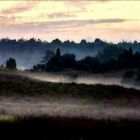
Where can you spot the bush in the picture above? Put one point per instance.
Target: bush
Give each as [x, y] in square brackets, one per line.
[11, 64]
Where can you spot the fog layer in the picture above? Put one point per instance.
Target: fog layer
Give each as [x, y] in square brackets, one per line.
[68, 107]
[89, 79]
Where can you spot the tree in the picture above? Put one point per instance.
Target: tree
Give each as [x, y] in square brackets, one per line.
[126, 59]
[89, 64]
[109, 52]
[58, 54]
[56, 42]
[58, 62]
[68, 61]
[83, 43]
[54, 64]
[11, 63]
[48, 55]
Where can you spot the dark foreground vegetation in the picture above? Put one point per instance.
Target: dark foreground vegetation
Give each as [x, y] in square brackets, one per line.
[65, 128]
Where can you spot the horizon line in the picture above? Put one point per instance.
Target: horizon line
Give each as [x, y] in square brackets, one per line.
[92, 41]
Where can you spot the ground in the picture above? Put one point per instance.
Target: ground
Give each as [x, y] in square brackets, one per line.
[42, 110]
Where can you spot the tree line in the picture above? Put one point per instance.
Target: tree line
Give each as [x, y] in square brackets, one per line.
[125, 60]
[29, 52]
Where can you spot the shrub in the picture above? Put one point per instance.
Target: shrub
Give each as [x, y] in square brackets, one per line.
[11, 63]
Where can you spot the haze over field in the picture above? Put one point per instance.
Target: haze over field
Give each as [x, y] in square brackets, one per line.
[70, 107]
[84, 78]
[66, 99]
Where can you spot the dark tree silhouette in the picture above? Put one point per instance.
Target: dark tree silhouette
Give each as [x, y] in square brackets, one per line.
[48, 55]
[29, 52]
[83, 43]
[58, 54]
[54, 64]
[127, 59]
[58, 62]
[89, 64]
[11, 63]
[110, 52]
[68, 61]
[56, 42]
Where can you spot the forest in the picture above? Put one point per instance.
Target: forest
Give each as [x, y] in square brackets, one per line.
[126, 60]
[28, 53]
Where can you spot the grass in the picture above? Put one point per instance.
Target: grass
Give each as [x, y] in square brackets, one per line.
[7, 118]
[18, 85]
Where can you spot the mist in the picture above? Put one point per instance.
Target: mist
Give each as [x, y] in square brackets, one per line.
[84, 78]
[67, 106]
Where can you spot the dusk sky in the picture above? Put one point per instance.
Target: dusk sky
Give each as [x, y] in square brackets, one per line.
[74, 20]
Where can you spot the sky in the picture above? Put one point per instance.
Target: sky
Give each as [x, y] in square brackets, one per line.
[110, 20]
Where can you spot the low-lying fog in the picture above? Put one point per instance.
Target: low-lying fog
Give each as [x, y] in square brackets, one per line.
[29, 106]
[45, 105]
[105, 79]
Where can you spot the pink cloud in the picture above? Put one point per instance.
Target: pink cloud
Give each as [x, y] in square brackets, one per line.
[82, 3]
[20, 7]
[78, 3]
[8, 16]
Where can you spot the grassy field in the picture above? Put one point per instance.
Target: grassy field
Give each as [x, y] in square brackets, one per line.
[46, 127]
[12, 84]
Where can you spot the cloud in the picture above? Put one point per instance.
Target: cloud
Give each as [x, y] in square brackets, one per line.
[72, 29]
[20, 7]
[59, 26]
[82, 3]
[78, 3]
[76, 23]
[8, 16]
[60, 15]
